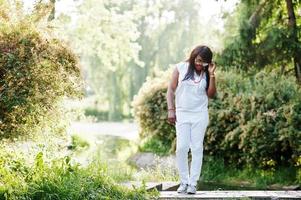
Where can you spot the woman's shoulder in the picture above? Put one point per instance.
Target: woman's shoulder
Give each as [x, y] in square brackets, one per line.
[183, 65]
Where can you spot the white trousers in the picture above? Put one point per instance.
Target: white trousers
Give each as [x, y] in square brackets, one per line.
[190, 133]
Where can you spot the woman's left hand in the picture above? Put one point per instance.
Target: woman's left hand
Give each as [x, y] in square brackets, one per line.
[212, 67]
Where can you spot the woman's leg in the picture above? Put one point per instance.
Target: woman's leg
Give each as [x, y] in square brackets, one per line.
[182, 148]
[198, 130]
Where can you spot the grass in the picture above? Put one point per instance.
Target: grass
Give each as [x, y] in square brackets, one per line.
[214, 170]
[157, 174]
[41, 177]
[78, 143]
[61, 179]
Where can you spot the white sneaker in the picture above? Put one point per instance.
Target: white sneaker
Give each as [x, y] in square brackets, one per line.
[182, 188]
[191, 189]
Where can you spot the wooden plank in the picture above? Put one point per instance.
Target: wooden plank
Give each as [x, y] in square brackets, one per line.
[165, 195]
[149, 185]
[170, 186]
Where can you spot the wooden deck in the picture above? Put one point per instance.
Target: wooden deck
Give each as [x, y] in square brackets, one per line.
[168, 192]
[273, 195]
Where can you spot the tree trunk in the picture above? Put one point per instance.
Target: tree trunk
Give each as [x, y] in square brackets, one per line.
[115, 110]
[282, 70]
[294, 37]
[254, 20]
[52, 13]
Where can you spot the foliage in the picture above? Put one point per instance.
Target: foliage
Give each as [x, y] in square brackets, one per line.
[215, 173]
[256, 120]
[253, 121]
[105, 52]
[98, 114]
[154, 145]
[259, 37]
[60, 179]
[78, 143]
[36, 74]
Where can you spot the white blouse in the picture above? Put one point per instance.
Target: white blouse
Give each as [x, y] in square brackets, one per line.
[190, 95]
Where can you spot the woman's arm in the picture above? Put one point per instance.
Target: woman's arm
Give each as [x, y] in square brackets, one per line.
[212, 88]
[170, 96]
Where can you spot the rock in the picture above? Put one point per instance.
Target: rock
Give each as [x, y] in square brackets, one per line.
[146, 160]
[143, 160]
[291, 187]
[275, 186]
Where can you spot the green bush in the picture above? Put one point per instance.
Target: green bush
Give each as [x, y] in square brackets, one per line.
[36, 73]
[98, 114]
[150, 110]
[253, 120]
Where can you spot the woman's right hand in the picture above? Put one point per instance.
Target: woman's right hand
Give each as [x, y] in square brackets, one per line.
[172, 117]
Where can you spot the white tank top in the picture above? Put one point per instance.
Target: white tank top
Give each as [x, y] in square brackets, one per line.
[190, 95]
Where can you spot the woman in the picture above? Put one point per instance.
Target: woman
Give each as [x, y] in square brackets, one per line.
[192, 82]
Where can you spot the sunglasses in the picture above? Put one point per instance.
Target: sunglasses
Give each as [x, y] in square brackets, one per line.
[200, 62]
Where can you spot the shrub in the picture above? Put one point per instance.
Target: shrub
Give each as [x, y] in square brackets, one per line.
[150, 110]
[36, 73]
[253, 120]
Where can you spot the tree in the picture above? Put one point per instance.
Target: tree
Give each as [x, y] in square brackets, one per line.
[293, 35]
[52, 13]
[121, 43]
[264, 39]
[105, 37]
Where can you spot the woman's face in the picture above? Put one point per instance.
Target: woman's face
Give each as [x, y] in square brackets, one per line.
[199, 64]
